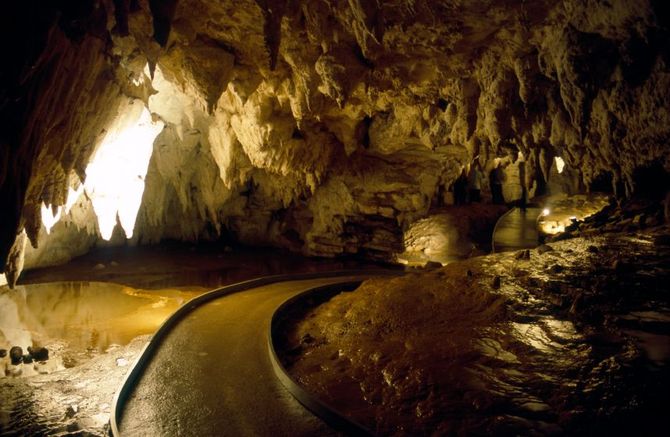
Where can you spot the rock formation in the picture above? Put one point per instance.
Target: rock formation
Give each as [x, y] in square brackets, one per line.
[324, 126]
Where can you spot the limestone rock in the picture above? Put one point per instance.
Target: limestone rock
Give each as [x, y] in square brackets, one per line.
[326, 128]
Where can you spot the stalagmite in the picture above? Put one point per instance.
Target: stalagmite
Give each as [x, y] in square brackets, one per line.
[325, 127]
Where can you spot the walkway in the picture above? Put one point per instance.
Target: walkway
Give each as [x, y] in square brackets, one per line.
[516, 230]
[212, 373]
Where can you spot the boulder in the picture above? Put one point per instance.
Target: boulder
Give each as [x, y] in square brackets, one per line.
[39, 353]
[16, 355]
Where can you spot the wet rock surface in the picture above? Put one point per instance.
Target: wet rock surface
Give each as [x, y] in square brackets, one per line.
[73, 401]
[327, 128]
[561, 342]
[450, 233]
[90, 328]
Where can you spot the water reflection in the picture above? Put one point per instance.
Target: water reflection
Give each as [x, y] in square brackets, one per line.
[87, 316]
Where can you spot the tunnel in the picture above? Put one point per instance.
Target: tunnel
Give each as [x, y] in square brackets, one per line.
[323, 217]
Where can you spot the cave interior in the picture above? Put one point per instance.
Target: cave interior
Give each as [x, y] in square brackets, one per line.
[278, 136]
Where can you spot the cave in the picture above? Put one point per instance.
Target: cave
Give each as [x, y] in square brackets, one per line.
[323, 217]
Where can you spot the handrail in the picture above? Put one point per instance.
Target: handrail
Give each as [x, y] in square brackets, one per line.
[147, 352]
[329, 414]
[495, 228]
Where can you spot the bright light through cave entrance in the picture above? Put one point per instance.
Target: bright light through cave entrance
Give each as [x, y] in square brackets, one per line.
[115, 176]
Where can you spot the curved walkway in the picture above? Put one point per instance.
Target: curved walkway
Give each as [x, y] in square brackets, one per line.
[212, 374]
[515, 230]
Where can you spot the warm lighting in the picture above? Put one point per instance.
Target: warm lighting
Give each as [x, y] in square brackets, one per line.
[560, 164]
[545, 212]
[115, 176]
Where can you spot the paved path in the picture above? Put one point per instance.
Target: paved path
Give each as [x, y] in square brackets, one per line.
[517, 229]
[212, 375]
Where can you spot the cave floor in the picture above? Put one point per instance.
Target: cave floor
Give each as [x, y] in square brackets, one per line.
[212, 374]
[567, 339]
[96, 313]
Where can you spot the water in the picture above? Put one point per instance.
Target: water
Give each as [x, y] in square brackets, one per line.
[88, 328]
[95, 328]
[87, 316]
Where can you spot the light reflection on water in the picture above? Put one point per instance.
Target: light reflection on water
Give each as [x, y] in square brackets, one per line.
[85, 315]
[87, 327]
[583, 349]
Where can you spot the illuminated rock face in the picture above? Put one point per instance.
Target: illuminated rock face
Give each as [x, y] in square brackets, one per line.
[324, 127]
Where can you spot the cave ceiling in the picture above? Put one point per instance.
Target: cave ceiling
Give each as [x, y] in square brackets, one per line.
[323, 126]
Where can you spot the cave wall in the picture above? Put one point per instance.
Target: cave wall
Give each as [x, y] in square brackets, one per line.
[326, 127]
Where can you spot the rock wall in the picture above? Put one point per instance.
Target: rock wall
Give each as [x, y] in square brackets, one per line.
[324, 126]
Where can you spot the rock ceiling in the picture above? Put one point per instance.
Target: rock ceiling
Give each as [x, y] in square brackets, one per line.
[324, 126]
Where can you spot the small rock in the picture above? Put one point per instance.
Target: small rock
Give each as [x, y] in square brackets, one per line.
[99, 266]
[71, 410]
[16, 355]
[577, 304]
[556, 268]
[496, 282]
[432, 265]
[558, 300]
[562, 236]
[592, 249]
[39, 353]
[114, 264]
[121, 362]
[544, 248]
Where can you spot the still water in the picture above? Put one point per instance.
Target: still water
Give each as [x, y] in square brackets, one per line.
[84, 316]
[88, 328]
[95, 328]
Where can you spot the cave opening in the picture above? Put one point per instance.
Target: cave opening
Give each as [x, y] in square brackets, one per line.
[421, 218]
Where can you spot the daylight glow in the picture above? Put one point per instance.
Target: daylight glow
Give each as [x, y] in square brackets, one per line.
[49, 219]
[115, 176]
[72, 197]
[560, 164]
[545, 212]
